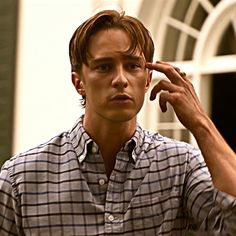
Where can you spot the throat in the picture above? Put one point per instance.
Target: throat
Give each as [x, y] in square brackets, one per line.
[110, 138]
[109, 163]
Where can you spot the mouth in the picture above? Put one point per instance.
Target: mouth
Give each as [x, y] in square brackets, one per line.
[121, 98]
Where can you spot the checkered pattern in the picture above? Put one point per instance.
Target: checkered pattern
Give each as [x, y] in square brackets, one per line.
[158, 187]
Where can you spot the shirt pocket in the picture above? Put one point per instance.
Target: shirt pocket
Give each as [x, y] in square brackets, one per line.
[157, 212]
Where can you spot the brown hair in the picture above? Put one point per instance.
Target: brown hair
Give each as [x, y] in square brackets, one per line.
[79, 43]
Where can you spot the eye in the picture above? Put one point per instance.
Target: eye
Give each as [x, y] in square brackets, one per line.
[103, 67]
[133, 66]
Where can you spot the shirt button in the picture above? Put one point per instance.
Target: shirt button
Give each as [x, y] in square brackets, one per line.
[102, 182]
[111, 217]
[94, 150]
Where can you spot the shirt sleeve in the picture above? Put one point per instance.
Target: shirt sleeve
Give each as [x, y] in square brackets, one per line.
[213, 212]
[9, 214]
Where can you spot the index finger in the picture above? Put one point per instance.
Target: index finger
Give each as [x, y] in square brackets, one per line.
[172, 72]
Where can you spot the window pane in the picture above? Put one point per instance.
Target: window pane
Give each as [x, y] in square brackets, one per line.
[171, 43]
[189, 48]
[199, 17]
[228, 42]
[180, 9]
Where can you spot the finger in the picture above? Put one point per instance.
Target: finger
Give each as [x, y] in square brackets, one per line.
[181, 73]
[168, 64]
[172, 73]
[163, 102]
[162, 85]
[177, 69]
[171, 98]
[149, 64]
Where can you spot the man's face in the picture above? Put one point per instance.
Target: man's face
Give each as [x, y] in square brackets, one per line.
[114, 82]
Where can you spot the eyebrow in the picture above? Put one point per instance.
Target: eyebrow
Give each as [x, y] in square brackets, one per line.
[132, 57]
[124, 56]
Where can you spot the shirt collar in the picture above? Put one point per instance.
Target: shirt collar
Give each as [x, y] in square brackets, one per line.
[80, 139]
[82, 142]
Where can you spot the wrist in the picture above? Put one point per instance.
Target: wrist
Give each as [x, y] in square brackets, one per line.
[203, 125]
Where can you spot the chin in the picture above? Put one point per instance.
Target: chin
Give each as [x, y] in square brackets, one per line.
[122, 116]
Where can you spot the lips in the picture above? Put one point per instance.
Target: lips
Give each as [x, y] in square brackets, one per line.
[120, 97]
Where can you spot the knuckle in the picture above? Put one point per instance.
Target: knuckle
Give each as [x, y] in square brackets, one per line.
[182, 90]
[177, 98]
[188, 85]
[162, 83]
[170, 70]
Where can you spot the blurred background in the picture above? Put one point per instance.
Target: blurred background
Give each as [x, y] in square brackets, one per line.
[37, 99]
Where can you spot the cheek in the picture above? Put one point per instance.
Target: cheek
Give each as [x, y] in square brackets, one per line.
[95, 92]
[140, 90]
[142, 84]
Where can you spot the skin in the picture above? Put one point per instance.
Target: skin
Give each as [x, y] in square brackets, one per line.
[115, 84]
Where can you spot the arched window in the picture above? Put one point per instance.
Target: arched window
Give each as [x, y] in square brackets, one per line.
[200, 37]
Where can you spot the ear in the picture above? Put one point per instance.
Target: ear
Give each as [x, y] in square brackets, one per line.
[149, 80]
[78, 83]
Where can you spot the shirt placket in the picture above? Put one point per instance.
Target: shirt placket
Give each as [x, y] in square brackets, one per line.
[114, 212]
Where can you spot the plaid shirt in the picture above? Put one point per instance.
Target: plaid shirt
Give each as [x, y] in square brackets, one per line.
[158, 187]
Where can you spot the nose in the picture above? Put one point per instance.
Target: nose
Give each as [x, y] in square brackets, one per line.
[120, 79]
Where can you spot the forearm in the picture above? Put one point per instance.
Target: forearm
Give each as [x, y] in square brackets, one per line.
[219, 157]
[180, 93]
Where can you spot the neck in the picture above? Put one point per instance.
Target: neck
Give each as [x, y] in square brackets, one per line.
[110, 136]
[109, 132]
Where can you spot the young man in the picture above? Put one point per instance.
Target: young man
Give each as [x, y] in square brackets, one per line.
[108, 176]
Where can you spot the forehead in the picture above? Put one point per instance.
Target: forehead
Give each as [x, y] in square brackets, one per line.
[111, 42]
